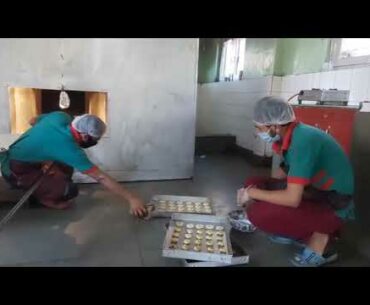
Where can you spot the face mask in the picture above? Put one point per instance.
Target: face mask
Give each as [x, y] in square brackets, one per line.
[265, 136]
[90, 142]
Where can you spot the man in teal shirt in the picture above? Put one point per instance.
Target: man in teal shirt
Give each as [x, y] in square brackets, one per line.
[56, 138]
[314, 197]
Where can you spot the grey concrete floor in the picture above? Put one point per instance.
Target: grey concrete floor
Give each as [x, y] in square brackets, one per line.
[99, 231]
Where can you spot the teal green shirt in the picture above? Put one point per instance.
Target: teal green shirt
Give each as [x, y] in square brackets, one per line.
[50, 139]
[315, 158]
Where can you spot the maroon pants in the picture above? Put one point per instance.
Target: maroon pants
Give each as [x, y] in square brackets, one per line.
[56, 187]
[297, 223]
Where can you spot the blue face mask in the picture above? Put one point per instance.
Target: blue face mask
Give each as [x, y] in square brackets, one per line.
[265, 136]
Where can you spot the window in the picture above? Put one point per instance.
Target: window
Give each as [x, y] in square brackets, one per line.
[232, 60]
[26, 103]
[350, 51]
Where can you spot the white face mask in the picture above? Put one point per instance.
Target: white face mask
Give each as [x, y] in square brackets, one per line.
[265, 136]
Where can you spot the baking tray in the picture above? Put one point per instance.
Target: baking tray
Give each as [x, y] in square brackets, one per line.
[240, 257]
[160, 205]
[203, 254]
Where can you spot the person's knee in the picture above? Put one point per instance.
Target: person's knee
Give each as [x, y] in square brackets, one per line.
[259, 213]
[254, 181]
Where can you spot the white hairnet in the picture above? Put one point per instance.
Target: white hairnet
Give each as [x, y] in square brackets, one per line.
[273, 110]
[89, 124]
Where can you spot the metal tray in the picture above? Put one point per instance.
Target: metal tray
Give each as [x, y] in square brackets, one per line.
[180, 204]
[203, 254]
[240, 257]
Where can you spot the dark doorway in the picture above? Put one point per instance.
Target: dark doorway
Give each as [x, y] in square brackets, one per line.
[50, 102]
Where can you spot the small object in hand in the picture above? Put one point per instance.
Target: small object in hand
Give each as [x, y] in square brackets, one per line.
[143, 213]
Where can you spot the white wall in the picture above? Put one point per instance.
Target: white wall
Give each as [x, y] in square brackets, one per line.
[151, 85]
[357, 80]
[227, 108]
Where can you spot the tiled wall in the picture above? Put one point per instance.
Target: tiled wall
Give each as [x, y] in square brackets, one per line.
[356, 80]
[227, 108]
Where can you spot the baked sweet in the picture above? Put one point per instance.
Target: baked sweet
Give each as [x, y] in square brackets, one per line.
[197, 248]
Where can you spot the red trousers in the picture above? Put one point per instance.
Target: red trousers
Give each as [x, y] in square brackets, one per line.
[56, 187]
[297, 223]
